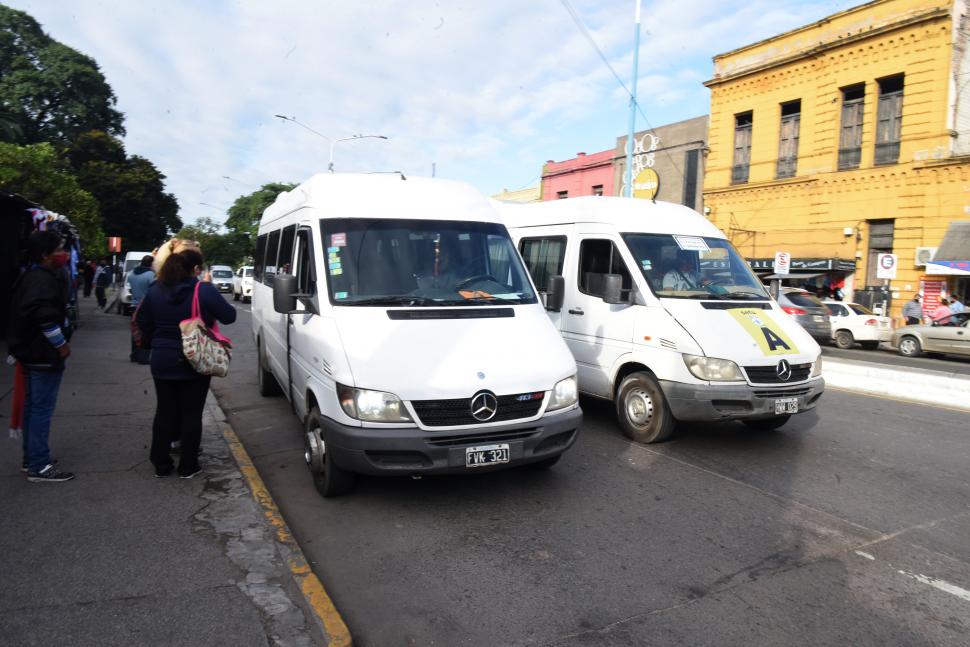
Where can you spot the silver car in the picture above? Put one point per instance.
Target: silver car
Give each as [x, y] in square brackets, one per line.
[808, 311]
[946, 335]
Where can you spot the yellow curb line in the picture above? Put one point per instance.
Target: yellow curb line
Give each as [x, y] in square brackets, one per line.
[310, 585]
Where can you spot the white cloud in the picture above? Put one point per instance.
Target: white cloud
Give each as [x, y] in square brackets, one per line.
[487, 90]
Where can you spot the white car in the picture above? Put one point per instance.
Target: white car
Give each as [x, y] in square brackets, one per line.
[853, 323]
[242, 284]
[222, 277]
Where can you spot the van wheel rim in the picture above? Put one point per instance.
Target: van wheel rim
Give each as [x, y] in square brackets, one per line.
[314, 450]
[639, 407]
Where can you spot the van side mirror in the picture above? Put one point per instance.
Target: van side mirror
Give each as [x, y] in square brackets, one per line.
[284, 293]
[555, 293]
[613, 288]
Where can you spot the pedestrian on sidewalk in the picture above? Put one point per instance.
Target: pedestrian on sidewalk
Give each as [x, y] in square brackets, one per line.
[87, 273]
[941, 316]
[102, 279]
[38, 342]
[139, 280]
[913, 311]
[180, 392]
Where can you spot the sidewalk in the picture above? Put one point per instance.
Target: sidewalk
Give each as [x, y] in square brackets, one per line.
[117, 557]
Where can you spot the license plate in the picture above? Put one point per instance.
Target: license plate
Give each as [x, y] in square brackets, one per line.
[818, 318]
[786, 405]
[486, 455]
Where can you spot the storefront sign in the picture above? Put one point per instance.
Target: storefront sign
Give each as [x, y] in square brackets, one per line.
[647, 184]
[806, 264]
[644, 148]
[886, 265]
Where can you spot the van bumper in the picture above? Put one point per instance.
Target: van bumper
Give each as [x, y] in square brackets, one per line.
[699, 402]
[410, 450]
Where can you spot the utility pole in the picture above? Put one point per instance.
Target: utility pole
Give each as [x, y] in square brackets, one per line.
[633, 103]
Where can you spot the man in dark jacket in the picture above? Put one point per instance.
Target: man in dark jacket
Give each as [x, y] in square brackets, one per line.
[139, 280]
[102, 281]
[38, 316]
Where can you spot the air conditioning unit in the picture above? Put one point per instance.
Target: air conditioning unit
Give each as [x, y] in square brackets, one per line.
[924, 255]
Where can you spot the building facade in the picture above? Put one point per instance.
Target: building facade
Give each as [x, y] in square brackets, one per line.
[676, 152]
[844, 142]
[529, 194]
[583, 175]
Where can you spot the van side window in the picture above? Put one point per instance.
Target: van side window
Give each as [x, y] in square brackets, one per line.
[258, 261]
[598, 257]
[544, 258]
[285, 259]
[272, 247]
[305, 274]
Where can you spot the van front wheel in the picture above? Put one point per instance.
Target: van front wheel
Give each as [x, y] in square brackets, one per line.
[642, 409]
[329, 479]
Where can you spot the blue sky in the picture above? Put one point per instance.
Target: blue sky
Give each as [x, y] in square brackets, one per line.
[486, 91]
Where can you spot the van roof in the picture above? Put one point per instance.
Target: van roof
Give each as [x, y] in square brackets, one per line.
[626, 214]
[384, 195]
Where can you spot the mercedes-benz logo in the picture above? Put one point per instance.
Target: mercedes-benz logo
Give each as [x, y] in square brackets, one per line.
[784, 370]
[484, 406]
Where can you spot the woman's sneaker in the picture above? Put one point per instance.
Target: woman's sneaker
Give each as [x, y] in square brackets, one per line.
[24, 468]
[49, 475]
[197, 471]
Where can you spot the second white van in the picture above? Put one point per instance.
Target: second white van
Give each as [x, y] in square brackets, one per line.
[663, 316]
[399, 320]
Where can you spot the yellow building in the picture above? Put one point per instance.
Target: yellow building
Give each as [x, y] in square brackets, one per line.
[846, 139]
[530, 194]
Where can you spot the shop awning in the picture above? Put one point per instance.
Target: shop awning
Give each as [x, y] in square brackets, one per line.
[953, 256]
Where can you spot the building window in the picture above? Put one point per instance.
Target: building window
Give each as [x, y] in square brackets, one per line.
[690, 178]
[850, 135]
[889, 119]
[880, 242]
[598, 189]
[791, 116]
[562, 195]
[742, 147]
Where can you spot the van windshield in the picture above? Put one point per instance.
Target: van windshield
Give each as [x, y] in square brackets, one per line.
[380, 261]
[693, 267]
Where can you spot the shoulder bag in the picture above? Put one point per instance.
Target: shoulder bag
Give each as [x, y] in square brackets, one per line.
[206, 349]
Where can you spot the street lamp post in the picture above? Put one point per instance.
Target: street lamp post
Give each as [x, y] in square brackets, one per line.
[346, 139]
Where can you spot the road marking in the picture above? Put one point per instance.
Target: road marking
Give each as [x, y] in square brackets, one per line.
[326, 614]
[942, 585]
[866, 555]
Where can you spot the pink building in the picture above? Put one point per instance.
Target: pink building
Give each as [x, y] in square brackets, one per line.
[582, 175]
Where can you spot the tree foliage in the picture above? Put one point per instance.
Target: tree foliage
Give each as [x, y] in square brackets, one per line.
[130, 190]
[49, 92]
[40, 175]
[245, 212]
[230, 248]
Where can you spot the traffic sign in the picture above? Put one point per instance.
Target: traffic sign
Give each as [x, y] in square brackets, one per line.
[886, 265]
[114, 244]
[782, 262]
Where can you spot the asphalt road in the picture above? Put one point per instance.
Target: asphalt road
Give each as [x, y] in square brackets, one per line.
[890, 357]
[848, 526]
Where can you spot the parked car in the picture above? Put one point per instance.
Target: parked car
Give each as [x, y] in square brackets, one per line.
[947, 335]
[221, 277]
[808, 311]
[852, 322]
[242, 284]
[132, 260]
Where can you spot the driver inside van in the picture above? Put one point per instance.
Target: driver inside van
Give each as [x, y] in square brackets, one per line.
[682, 277]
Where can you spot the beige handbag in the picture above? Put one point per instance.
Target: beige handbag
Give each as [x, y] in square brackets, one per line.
[207, 350]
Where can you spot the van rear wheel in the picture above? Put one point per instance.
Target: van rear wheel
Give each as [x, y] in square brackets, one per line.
[268, 386]
[642, 410]
[329, 479]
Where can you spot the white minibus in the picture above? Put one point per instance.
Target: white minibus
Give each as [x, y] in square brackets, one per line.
[397, 317]
[663, 316]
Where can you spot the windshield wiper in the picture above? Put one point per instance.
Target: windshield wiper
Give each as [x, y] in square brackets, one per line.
[483, 301]
[402, 300]
[749, 296]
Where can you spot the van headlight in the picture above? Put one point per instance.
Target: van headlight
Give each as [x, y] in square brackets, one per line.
[817, 367]
[372, 406]
[713, 369]
[564, 394]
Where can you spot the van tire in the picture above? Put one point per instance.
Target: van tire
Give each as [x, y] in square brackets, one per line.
[331, 481]
[642, 409]
[545, 463]
[844, 339]
[767, 424]
[268, 386]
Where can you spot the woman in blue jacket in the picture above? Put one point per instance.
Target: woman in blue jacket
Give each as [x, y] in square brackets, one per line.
[180, 391]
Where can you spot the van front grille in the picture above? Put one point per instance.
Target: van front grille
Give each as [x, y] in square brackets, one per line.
[769, 374]
[446, 413]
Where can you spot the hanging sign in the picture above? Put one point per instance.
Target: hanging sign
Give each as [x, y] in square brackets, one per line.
[647, 184]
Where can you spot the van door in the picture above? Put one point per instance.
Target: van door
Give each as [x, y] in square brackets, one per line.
[545, 256]
[275, 324]
[304, 335]
[597, 333]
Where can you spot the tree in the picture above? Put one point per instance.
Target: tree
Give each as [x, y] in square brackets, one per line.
[130, 190]
[50, 92]
[40, 175]
[245, 212]
[219, 248]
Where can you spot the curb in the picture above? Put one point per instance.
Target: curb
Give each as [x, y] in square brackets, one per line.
[911, 385]
[322, 609]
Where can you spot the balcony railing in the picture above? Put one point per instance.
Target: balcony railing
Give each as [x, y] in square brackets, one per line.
[739, 173]
[786, 167]
[849, 158]
[887, 153]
